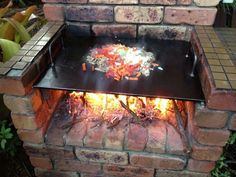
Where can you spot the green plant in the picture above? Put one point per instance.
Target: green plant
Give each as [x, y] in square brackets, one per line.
[222, 168]
[8, 138]
[13, 31]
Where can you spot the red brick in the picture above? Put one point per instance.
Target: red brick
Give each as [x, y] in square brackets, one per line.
[76, 165]
[24, 104]
[184, 2]
[227, 100]
[95, 136]
[32, 136]
[210, 118]
[206, 3]
[89, 13]
[138, 14]
[36, 150]
[190, 15]
[115, 30]
[77, 1]
[156, 137]
[102, 156]
[163, 32]
[54, 12]
[55, 134]
[114, 138]
[12, 86]
[93, 175]
[136, 138]
[214, 137]
[157, 161]
[56, 152]
[52, 173]
[200, 166]
[200, 152]
[183, 173]
[77, 133]
[114, 2]
[232, 122]
[41, 162]
[22, 121]
[174, 141]
[127, 171]
[54, 1]
[159, 2]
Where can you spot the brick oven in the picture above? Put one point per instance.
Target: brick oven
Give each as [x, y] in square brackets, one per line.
[72, 134]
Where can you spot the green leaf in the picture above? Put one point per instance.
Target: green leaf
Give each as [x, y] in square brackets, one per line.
[9, 49]
[3, 143]
[3, 129]
[24, 35]
[7, 130]
[8, 135]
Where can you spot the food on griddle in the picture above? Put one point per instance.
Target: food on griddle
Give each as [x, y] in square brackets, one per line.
[119, 61]
[84, 68]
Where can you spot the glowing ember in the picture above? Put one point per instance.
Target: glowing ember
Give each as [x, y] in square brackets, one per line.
[108, 107]
[119, 61]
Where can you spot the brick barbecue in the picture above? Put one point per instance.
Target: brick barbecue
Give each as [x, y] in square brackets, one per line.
[128, 149]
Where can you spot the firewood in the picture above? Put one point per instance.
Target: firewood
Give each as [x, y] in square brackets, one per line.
[180, 125]
[130, 111]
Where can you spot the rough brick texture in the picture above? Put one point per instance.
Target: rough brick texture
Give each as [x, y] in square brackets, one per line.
[32, 136]
[102, 156]
[95, 135]
[206, 2]
[190, 15]
[159, 2]
[75, 165]
[50, 173]
[114, 138]
[213, 137]
[115, 30]
[89, 13]
[200, 166]
[22, 121]
[157, 161]
[114, 1]
[156, 138]
[41, 162]
[201, 152]
[184, 2]
[174, 141]
[24, 105]
[54, 12]
[127, 171]
[164, 32]
[232, 123]
[137, 137]
[169, 173]
[210, 118]
[141, 14]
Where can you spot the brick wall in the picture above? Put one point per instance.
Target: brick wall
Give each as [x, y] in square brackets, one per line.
[166, 19]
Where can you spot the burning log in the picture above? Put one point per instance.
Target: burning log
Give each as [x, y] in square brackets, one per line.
[180, 125]
[129, 111]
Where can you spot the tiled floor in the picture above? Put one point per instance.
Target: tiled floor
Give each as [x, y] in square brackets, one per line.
[220, 50]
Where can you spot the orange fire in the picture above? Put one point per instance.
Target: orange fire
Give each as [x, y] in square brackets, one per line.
[100, 103]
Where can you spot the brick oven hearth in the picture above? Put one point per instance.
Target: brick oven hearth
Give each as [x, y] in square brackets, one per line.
[128, 149]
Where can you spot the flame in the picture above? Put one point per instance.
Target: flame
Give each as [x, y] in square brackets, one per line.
[110, 103]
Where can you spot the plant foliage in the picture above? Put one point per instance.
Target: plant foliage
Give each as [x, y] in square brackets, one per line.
[13, 31]
[222, 168]
[8, 138]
